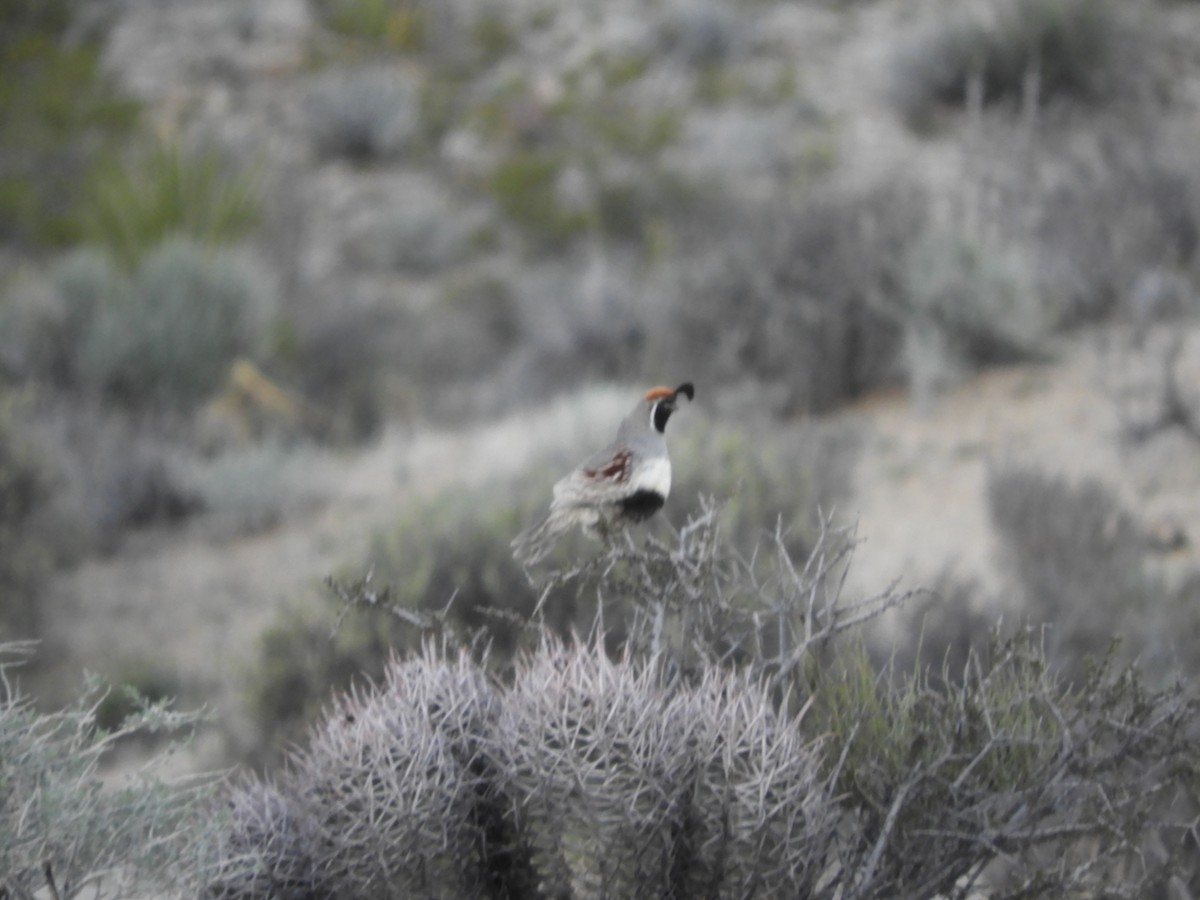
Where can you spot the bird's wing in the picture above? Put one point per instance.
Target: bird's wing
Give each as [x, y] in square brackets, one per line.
[604, 478]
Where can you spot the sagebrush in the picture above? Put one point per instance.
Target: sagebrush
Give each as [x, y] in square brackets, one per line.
[735, 742]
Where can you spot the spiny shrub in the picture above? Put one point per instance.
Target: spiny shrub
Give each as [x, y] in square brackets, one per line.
[63, 830]
[393, 797]
[631, 784]
[713, 757]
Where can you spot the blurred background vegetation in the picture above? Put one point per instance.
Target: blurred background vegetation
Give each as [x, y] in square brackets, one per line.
[301, 288]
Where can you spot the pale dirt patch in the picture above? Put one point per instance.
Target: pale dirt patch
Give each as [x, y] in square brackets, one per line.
[921, 486]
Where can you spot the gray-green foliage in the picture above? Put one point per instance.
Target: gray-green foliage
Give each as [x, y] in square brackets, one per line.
[799, 301]
[163, 335]
[739, 744]
[1084, 51]
[170, 336]
[1078, 555]
[62, 829]
[965, 306]
[365, 116]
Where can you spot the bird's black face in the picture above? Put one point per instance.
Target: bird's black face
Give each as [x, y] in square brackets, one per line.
[662, 409]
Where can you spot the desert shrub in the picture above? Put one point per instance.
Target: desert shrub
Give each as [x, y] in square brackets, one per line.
[703, 34]
[134, 205]
[934, 809]
[63, 831]
[423, 235]
[1116, 216]
[713, 757]
[112, 472]
[1078, 50]
[161, 336]
[166, 335]
[965, 307]
[525, 187]
[446, 562]
[338, 359]
[60, 115]
[25, 558]
[134, 686]
[941, 630]
[246, 490]
[42, 331]
[364, 116]
[589, 162]
[1077, 554]
[820, 301]
[799, 300]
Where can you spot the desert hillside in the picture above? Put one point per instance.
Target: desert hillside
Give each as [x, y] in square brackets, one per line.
[301, 289]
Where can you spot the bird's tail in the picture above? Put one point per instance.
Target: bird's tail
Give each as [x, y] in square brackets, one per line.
[531, 545]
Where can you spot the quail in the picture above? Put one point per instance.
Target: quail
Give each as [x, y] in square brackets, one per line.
[626, 482]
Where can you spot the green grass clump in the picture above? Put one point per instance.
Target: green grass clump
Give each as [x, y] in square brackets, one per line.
[133, 206]
[60, 116]
[388, 24]
[525, 187]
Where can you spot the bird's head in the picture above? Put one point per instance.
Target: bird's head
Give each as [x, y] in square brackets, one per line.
[663, 401]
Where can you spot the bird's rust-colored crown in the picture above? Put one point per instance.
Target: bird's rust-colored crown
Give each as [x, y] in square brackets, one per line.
[657, 393]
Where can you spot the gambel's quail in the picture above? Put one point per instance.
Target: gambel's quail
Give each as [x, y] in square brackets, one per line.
[626, 482]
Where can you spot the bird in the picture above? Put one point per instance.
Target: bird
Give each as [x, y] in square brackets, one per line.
[625, 483]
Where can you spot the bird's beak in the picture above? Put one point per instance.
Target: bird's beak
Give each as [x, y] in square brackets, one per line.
[686, 389]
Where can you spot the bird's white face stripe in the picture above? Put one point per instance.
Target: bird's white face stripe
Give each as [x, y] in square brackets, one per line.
[654, 475]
